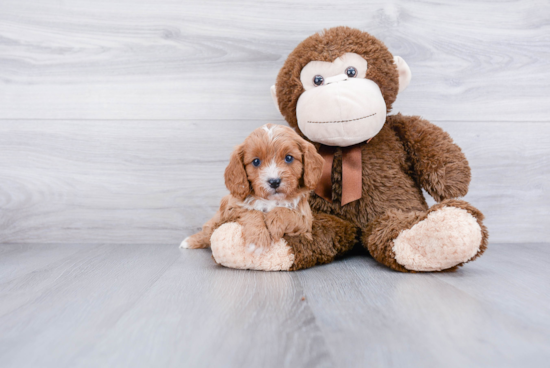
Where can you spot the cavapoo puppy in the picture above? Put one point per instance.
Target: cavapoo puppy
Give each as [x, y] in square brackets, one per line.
[269, 177]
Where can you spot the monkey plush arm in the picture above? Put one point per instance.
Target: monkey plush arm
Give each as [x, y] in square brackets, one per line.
[439, 165]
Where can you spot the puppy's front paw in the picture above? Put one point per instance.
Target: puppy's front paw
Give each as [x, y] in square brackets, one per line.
[259, 239]
[277, 222]
[275, 228]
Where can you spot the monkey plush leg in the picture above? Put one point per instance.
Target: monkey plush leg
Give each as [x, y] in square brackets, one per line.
[230, 250]
[331, 237]
[445, 237]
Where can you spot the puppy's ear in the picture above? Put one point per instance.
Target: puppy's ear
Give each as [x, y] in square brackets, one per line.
[313, 165]
[235, 174]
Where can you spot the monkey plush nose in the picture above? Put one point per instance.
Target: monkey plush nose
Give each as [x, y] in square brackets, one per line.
[274, 183]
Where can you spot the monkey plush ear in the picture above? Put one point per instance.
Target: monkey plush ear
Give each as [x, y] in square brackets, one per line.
[404, 72]
[235, 175]
[274, 96]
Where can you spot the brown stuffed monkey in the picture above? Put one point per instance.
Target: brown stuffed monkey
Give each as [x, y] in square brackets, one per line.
[336, 89]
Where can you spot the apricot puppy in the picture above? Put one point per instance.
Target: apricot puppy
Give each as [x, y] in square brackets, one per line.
[270, 177]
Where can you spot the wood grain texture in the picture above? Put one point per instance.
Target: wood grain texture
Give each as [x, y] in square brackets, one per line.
[471, 60]
[472, 318]
[146, 305]
[117, 119]
[156, 305]
[158, 181]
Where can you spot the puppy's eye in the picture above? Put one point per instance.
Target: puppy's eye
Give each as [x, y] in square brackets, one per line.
[289, 159]
[318, 80]
[351, 72]
[256, 162]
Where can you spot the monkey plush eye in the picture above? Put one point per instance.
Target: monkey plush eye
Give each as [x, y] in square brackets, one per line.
[289, 159]
[351, 72]
[318, 80]
[256, 162]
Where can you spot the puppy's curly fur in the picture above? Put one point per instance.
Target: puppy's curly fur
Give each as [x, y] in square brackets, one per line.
[269, 177]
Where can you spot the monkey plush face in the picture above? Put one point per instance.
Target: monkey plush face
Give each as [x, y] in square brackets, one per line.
[333, 110]
[336, 87]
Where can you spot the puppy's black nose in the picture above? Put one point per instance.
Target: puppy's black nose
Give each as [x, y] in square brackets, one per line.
[274, 183]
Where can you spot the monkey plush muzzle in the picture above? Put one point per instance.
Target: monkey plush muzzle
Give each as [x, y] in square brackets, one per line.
[335, 114]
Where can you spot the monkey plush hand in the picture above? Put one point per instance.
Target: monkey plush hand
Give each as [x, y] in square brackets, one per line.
[336, 90]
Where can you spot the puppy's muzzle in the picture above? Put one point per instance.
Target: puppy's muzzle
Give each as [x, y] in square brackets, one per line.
[274, 183]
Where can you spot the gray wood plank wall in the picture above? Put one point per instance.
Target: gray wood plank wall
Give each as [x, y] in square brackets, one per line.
[117, 117]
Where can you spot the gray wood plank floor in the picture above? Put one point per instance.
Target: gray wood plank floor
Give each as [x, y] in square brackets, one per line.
[155, 305]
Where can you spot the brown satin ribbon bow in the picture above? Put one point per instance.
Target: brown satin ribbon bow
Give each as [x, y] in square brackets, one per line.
[352, 180]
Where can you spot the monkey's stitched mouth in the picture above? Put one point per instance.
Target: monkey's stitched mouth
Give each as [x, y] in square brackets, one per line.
[340, 121]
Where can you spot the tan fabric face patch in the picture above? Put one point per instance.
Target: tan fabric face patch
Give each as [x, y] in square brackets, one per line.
[339, 106]
[343, 113]
[330, 70]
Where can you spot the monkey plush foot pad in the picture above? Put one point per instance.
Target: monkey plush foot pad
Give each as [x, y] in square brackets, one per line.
[229, 250]
[447, 237]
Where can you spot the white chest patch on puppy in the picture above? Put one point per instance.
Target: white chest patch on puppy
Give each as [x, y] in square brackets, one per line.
[266, 205]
